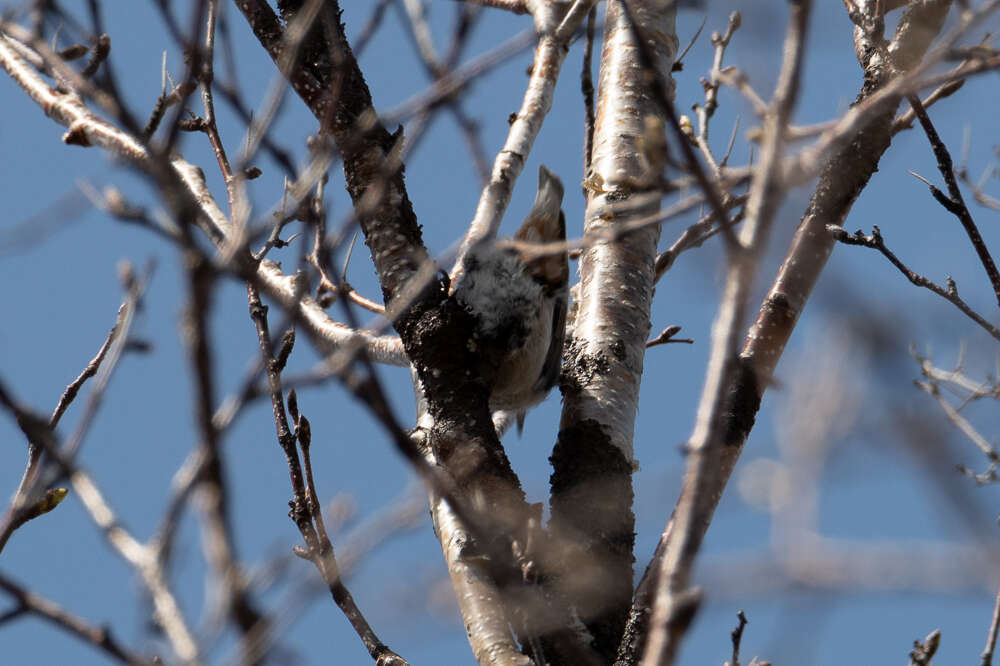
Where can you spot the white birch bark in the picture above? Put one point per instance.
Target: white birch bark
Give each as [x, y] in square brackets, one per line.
[616, 277]
[593, 460]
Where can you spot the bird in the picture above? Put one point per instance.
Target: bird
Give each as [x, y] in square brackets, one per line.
[518, 294]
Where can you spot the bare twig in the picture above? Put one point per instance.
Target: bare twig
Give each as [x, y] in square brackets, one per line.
[447, 87]
[923, 651]
[219, 540]
[26, 500]
[101, 638]
[961, 422]
[515, 6]
[328, 289]
[305, 511]
[737, 636]
[954, 203]
[949, 293]
[695, 235]
[177, 95]
[167, 611]
[905, 120]
[667, 336]
[978, 194]
[986, 659]
[711, 85]
[206, 77]
[97, 56]
[679, 63]
[710, 188]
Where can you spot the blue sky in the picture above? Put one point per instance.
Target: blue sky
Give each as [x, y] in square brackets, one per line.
[63, 293]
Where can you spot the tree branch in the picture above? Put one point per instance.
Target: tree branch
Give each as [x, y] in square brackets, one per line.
[850, 159]
[954, 203]
[950, 293]
[100, 637]
[673, 602]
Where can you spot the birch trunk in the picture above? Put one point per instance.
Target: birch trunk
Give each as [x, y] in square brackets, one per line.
[593, 460]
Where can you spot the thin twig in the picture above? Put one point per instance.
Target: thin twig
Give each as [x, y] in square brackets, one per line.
[19, 510]
[457, 80]
[679, 61]
[329, 289]
[954, 203]
[904, 121]
[667, 336]
[711, 85]
[305, 506]
[961, 422]
[737, 636]
[709, 187]
[950, 293]
[167, 611]
[695, 235]
[212, 489]
[924, 651]
[991, 638]
[206, 77]
[515, 6]
[101, 637]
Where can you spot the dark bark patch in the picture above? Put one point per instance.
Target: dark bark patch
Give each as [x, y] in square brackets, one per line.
[594, 529]
[742, 403]
[581, 367]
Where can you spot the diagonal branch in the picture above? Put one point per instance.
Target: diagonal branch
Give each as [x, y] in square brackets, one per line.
[325, 74]
[675, 600]
[954, 203]
[25, 499]
[433, 327]
[986, 659]
[100, 637]
[167, 611]
[949, 293]
[187, 191]
[555, 30]
[844, 174]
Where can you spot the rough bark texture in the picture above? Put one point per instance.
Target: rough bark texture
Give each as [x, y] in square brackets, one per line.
[590, 495]
[326, 76]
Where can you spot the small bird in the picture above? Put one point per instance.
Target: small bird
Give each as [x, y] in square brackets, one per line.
[519, 297]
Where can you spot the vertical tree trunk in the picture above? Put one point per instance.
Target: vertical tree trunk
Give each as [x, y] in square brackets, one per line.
[593, 459]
